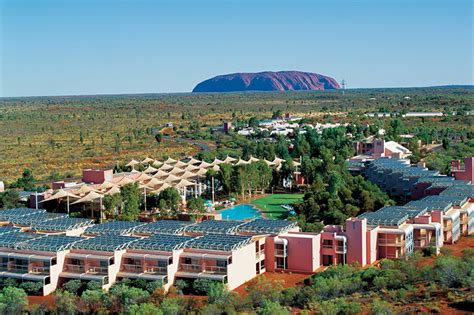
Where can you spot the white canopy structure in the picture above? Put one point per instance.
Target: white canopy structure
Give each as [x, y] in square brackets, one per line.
[61, 193]
[161, 188]
[171, 178]
[112, 191]
[166, 167]
[150, 169]
[124, 181]
[253, 159]
[180, 164]
[229, 160]
[188, 175]
[204, 164]
[191, 168]
[84, 189]
[106, 185]
[157, 163]
[132, 163]
[216, 162]
[161, 174]
[242, 162]
[176, 171]
[143, 177]
[193, 161]
[154, 182]
[90, 197]
[269, 163]
[184, 183]
[147, 160]
[170, 161]
[278, 161]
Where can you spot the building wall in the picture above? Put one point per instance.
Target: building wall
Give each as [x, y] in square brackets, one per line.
[303, 252]
[371, 246]
[242, 268]
[467, 173]
[114, 269]
[54, 272]
[356, 231]
[96, 176]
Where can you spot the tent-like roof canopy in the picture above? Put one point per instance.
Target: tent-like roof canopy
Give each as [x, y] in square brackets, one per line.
[84, 189]
[191, 168]
[180, 164]
[184, 183]
[132, 163]
[277, 160]
[150, 169]
[204, 164]
[193, 161]
[161, 188]
[242, 162]
[229, 159]
[143, 177]
[269, 163]
[106, 185]
[154, 182]
[60, 194]
[157, 163]
[161, 174]
[112, 191]
[177, 171]
[170, 161]
[166, 167]
[147, 160]
[216, 162]
[252, 159]
[90, 197]
[171, 178]
[124, 181]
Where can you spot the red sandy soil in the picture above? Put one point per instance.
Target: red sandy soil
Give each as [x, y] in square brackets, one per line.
[46, 300]
[454, 249]
[290, 280]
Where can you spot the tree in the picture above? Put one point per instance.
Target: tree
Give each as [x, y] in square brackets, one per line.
[32, 287]
[144, 309]
[159, 138]
[65, 302]
[169, 306]
[111, 204]
[196, 205]
[273, 308]
[13, 301]
[94, 301]
[25, 181]
[73, 286]
[201, 286]
[9, 199]
[130, 194]
[169, 199]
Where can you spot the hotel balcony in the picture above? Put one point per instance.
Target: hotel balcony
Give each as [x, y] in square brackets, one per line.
[341, 249]
[260, 255]
[390, 242]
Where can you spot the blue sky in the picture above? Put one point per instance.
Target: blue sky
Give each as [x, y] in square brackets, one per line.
[110, 46]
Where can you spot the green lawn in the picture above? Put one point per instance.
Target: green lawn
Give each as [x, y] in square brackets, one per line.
[271, 204]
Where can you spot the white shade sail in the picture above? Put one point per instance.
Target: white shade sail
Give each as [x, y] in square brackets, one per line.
[150, 169]
[90, 197]
[132, 163]
[147, 160]
[60, 194]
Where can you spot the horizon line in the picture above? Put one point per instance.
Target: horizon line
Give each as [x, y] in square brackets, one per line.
[231, 92]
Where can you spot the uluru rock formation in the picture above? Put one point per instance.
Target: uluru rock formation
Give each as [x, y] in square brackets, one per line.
[267, 81]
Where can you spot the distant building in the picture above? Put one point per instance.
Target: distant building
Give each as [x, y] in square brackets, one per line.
[228, 126]
[376, 148]
[2, 186]
[97, 176]
[463, 174]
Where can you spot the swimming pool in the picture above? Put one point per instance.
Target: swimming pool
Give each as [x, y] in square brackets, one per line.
[240, 212]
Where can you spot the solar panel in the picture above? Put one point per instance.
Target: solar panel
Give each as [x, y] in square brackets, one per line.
[8, 229]
[105, 243]
[37, 217]
[215, 226]
[114, 227]
[219, 242]
[267, 226]
[162, 242]
[7, 215]
[50, 243]
[163, 227]
[61, 224]
[13, 239]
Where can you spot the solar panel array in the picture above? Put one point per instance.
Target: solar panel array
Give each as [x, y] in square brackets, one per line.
[163, 227]
[267, 226]
[13, 239]
[50, 243]
[381, 218]
[61, 224]
[106, 243]
[37, 217]
[163, 242]
[8, 229]
[215, 226]
[466, 191]
[9, 214]
[114, 227]
[219, 242]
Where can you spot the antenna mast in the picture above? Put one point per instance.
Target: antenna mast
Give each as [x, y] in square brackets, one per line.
[343, 84]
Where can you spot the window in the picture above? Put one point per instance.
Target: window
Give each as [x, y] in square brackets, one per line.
[187, 261]
[104, 264]
[162, 263]
[75, 261]
[170, 261]
[262, 247]
[281, 262]
[132, 261]
[221, 263]
[47, 280]
[262, 264]
[53, 261]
